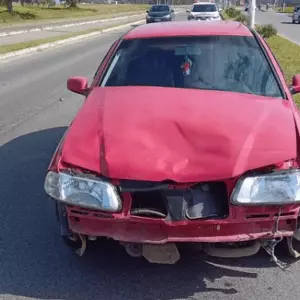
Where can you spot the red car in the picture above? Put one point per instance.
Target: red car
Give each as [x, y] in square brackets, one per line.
[188, 134]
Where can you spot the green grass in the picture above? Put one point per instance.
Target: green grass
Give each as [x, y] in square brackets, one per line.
[287, 54]
[35, 14]
[20, 46]
[287, 10]
[224, 15]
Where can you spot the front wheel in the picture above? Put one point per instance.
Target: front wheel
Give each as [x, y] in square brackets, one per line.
[65, 233]
[70, 242]
[71, 239]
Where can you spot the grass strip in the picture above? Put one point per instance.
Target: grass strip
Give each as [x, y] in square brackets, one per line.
[20, 46]
[33, 14]
[287, 54]
[287, 10]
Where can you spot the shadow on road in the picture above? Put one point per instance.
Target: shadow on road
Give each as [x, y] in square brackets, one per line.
[34, 263]
[288, 23]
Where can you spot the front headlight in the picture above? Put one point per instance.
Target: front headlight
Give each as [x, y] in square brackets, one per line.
[82, 191]
[167, 16]
[271, 189]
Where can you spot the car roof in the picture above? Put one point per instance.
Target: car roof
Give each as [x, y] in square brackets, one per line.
[187, 28]
[203, 3]
[159, 5]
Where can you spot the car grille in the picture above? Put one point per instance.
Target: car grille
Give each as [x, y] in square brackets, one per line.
[158, 200]
[203, 18]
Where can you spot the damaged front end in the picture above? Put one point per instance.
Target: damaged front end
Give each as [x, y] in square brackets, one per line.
[229, 218]
[150, 177]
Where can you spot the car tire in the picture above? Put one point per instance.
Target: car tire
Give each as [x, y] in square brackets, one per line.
[65, 238]
[299, 20]
[70, 243]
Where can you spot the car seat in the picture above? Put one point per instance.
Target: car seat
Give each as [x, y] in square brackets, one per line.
[150, 69]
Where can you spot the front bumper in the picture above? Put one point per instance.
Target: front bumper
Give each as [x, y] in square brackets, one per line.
[158, 20]
[242, 225]
[205, 20]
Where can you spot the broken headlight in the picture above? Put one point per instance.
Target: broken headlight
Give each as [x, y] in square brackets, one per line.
[270, 189]
[82, 191]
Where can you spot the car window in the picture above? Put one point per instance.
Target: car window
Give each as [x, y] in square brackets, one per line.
[204, 8]
[107, 55]
[159, 8]
[225, 63]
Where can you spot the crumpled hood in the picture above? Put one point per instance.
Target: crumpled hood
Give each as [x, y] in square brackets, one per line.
[185, 135]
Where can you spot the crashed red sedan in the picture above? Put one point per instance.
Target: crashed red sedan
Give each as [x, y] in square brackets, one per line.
[188, 134]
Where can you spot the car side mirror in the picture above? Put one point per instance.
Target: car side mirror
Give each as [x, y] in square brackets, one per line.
[220, 9]
[172, 10]
[188, 11]
[78, 85]
[295, 88]
[147, 11]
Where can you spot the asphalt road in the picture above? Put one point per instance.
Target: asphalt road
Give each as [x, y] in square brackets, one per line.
[282, 22]
[56, 32]
[35, 108]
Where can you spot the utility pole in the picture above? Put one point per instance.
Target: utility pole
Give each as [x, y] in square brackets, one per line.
[252, 8]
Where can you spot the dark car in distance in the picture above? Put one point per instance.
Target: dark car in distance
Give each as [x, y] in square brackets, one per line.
[159, 13]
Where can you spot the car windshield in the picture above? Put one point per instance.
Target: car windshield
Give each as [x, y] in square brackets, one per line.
[225, 63]
[158, 8]
[204, 8]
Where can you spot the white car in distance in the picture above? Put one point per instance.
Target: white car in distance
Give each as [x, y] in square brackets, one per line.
[204, 11]
[296, 15]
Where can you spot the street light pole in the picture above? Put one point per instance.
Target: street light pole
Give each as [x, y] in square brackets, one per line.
[252, 8]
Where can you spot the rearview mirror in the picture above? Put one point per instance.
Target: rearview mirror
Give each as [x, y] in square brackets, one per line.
[188, 11]
[78, 85]
[295, 88]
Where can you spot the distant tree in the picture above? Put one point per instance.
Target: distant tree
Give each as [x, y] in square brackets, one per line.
[8, 4]
[71, 3]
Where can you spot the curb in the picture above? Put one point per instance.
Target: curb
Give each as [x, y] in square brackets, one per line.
[287, 38]
[66, 41]
[283, 36]
[9, 33]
